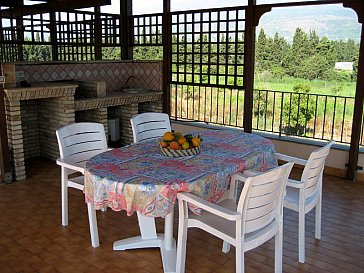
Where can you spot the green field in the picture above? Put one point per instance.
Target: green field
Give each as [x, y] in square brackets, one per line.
[334, 88]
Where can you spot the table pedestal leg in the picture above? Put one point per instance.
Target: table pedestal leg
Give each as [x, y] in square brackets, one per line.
[150, 238]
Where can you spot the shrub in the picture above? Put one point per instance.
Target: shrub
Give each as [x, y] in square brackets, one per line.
[298, 110]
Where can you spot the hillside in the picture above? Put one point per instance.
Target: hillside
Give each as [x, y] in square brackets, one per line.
[334, 21]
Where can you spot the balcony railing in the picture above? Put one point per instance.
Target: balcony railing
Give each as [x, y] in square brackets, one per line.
[303, 115]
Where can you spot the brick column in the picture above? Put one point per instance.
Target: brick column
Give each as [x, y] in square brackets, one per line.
[53, 113]
[126, 112]
[151, 106]
[15, 138]
[29, 121]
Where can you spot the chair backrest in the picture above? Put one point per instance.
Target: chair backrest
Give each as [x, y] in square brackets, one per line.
[79, 142]
[148, 126]
[261, 200]
[312, 173]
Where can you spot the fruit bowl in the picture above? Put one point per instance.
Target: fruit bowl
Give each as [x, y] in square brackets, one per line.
[177, 145]
[178, 153]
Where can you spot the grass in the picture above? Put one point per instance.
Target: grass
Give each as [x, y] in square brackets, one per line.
[332, 116]
[334, 88]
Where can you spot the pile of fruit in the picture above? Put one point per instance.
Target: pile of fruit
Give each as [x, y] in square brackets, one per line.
[178, 141]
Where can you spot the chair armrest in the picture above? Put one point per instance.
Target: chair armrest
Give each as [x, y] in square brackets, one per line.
[295, 184]
[241, 177]
[208, 206]
[288, 158]
[249, 173]
[70, 165]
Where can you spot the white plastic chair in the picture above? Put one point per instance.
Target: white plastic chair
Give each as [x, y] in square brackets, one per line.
[149, 125]
[77, 143]
[304, 195]
[256, 218]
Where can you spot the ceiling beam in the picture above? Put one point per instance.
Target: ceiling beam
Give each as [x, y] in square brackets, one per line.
[11, 3]
[50, 6]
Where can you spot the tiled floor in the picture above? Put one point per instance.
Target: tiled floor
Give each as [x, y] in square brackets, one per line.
[33, 240]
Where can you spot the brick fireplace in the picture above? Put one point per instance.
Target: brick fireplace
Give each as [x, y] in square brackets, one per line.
[82, 92]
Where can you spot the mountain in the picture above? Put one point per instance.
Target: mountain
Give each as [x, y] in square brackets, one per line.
[332, 21]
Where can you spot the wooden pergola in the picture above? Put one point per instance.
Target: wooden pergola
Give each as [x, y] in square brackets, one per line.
[17, 9]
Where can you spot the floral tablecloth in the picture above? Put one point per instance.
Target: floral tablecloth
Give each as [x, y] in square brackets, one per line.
[139, 178]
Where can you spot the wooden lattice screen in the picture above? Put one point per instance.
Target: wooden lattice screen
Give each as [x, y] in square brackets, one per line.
[147, 30]
[208, 47]
[73, 36]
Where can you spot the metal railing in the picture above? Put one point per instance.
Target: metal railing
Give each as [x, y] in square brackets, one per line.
[304, 115]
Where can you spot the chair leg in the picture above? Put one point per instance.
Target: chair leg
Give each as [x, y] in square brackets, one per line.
[239, 258]
[318, 220]
[92, 220]
[225, 247]
[182, 240]
[278, 250]
[301, 236]
[64, 197]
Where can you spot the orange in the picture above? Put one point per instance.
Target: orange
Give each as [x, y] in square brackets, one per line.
[164, 144]
[168, 136]
[182, 140]
[196, 141]
[174, 145]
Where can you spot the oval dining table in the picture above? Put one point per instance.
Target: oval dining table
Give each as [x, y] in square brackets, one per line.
[138, 178]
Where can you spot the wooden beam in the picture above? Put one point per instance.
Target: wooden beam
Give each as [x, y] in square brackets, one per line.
[127, 29]
[53, 36]
[358, 7]
[11, 3]
[98, 34]
[167, 52]
[358, 115]
[20, 36]
[53, 6]
[249, 51]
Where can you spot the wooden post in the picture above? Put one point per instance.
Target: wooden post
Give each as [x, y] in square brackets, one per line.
[249, 51]
[53, 36]
[5, 166]
[98, 34]
[20, 37]
[126, 31]
[358, 107]
[167, 52]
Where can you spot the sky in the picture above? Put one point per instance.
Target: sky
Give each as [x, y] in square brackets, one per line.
[155, 6]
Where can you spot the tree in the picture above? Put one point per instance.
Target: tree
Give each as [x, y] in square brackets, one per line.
[314, 40]
[299, 52]
[298, 110]
[38, 52]
[262, 51]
